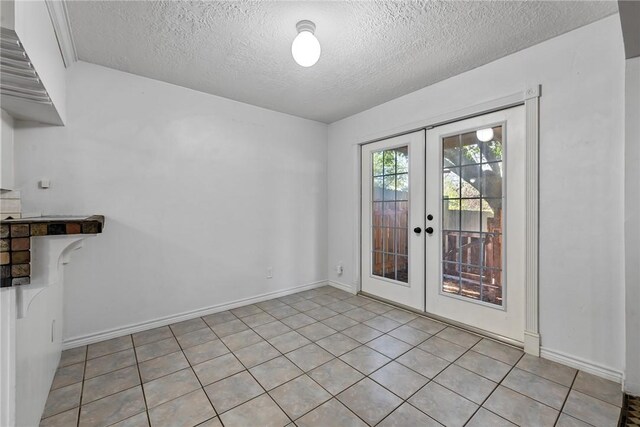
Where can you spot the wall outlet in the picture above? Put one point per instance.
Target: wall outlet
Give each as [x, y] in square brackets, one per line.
[339, 269]
[269, 272]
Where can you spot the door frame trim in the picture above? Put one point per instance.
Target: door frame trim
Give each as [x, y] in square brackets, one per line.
[530, 98]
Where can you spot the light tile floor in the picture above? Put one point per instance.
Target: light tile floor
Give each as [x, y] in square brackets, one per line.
[320, 358]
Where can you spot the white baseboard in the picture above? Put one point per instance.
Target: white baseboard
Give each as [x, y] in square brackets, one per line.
[581, 364]
[167, 320]
[342, 286]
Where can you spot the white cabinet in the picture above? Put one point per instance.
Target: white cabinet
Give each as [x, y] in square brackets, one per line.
[33, 71]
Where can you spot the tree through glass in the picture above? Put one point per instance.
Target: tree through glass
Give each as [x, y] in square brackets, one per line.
[472, 215]
[390, 171]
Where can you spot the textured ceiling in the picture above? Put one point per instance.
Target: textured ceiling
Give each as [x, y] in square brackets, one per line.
[372, 51]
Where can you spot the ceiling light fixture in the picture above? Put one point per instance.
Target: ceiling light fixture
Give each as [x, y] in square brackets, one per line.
[305, 47]
[484, 135]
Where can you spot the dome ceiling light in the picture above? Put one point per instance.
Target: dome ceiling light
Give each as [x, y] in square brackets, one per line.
[305, 47]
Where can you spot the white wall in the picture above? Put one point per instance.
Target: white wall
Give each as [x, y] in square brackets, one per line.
[632, 224]
[6, 152]
[581, 178]
[201, 194]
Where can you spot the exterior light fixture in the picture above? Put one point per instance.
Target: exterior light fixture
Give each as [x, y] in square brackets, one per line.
[305, 47]
[484, 135]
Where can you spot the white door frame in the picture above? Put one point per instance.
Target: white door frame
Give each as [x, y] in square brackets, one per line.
[530, 98]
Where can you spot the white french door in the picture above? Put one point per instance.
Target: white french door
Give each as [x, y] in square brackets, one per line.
[392, 206]
[475, 190]
[443, 221]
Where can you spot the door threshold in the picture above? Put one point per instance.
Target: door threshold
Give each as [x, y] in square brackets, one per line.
[458, 325]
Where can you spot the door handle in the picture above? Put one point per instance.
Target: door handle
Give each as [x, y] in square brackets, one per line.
[417, 230]
[429, 230]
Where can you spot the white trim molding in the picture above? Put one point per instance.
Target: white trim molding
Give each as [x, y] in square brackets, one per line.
[62, 29]
[531, 329]
[582, 364]
[167, 320]
[343, 287]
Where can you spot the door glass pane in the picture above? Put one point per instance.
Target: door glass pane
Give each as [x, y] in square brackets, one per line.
[390, 238]
[472, 214]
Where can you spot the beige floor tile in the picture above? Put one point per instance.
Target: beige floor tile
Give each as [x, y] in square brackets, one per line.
[108, 363]
[140, 420]
[485, 418]
[443, 405]
[460, 337]
[218, 318]
[229, 328]
[163, 365]
[502, 352]
[406, 416]
[591, 410]
[283, 312]
[360, 314]
[600, 388]
[482, 365]
[112, 409]
[68, 375]
[170, 386]
[73, 356]
[241, 339]
[466, 383]
[389, 346]
[213, 422]
[423, 362]
[382, 324]
[109, 346]
[341, 307]
[62, 399]
[256, 354]
[427, 325]
[272, 330]
[338, 344]
[200, 336]
[369, 400]
[309, 357]
[258, 319]
[547, 369]
[156, 349]
[377, 307]
[538, 388]
[321, 313]
[339, 322]
[365, 359]
[568, 421]
[187, 326]
[111, 383]
[298, 321]
[316, 331]
[330, 414]
[64, 419]
[409, 335]
[299, 396]
[275, 372]
[289, 341]
[270, 304]
[203, 352]
[246, 310]
[233, 391]
[188, 410]
[335, 376]
[400, 316]
[443, 348]
[261, 411]
[399, 379]
[362, 333]
[152, 335]
[218, 368]
[520, 409]
[305, 305]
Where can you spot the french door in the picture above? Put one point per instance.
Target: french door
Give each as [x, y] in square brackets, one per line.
[443, 221]
[392, 206]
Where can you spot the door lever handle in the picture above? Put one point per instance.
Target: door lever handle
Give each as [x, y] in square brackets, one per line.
[417, 230]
